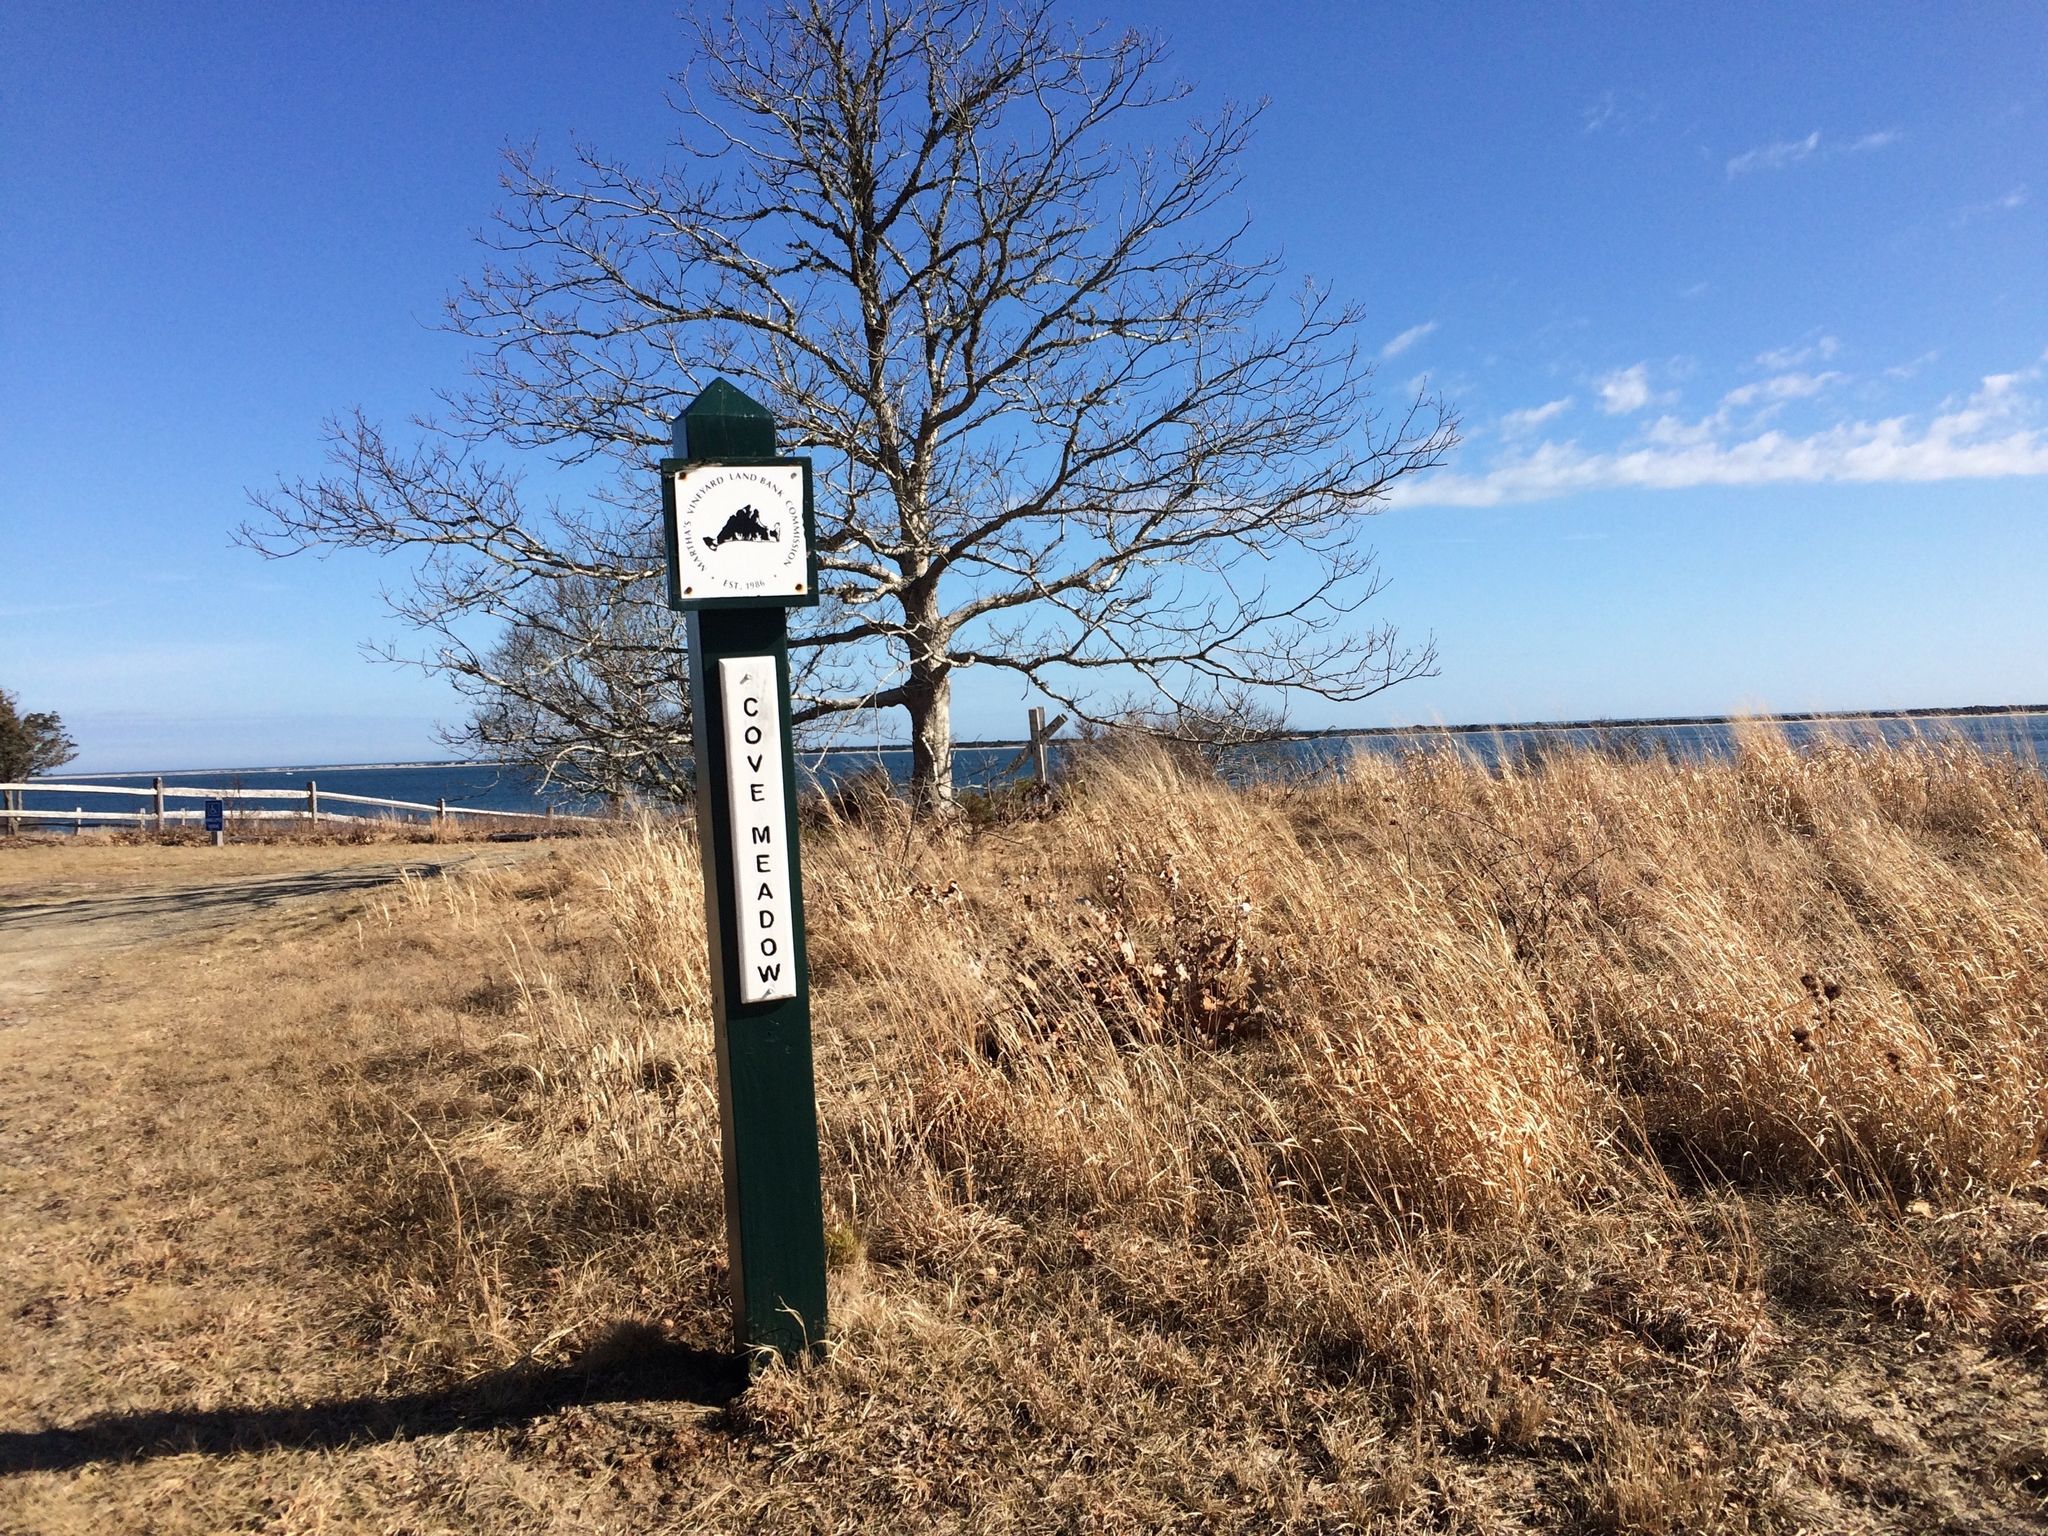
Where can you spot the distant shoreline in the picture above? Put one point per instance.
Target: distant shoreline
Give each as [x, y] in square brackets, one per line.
[139, 773]
[1327, 733]
[1664, 722]
[1659, 722]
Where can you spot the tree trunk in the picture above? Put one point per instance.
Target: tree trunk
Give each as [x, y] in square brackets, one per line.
[930, 702]
[928, 696]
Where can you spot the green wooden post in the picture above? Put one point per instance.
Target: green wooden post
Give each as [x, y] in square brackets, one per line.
[735, 581]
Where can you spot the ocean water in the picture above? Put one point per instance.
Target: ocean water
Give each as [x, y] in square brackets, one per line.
[486, 786]
[503, 788]
[2025, 735]
[2022, 734]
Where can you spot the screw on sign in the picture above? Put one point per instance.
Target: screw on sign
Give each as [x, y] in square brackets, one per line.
[741, 550]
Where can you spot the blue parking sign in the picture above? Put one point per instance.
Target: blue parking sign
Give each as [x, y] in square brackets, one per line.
[216, 815]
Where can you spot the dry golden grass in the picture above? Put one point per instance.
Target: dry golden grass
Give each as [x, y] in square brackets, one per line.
[1602, 1145]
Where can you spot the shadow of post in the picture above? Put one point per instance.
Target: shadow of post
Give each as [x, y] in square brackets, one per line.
[230, 898]
[633, 1363]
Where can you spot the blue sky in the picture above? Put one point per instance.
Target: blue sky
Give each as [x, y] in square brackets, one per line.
[1742, 308]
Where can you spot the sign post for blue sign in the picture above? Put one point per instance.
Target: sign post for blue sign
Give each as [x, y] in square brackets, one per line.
[741, 550]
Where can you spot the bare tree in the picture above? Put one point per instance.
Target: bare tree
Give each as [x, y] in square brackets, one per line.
[1071, 430]
[553, 624]
[589, 685]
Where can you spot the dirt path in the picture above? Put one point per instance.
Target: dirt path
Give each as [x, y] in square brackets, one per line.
[64, 911]
[167, 1361]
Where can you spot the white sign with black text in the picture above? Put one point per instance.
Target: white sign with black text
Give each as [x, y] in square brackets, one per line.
[760, 827]
[740, 531]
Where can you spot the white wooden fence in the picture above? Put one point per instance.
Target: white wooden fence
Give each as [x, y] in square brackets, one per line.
[312, 806]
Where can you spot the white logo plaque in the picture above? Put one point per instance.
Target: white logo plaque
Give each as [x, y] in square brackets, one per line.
[760, 827]
[740, 531]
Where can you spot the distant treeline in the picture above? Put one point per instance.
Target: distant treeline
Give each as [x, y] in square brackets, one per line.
[1666, 721]
[1657, 722]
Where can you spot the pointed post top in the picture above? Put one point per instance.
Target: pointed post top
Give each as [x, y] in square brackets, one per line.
[722, 423]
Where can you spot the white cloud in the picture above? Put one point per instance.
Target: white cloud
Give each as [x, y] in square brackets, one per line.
[1625, 390]
[1776, 156]
[1515, 423]
[1780, 359]
[1617, 112]
[2016, 198]
[1779, 388]
[1407, 339]
[1995, 432]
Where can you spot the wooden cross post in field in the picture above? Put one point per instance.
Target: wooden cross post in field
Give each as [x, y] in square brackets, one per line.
[1037, 746]
[741, 550]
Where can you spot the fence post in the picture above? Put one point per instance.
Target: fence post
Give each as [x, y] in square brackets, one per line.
[13, 805]
[313, 801]
[1038, 759]
[441, 811]
[158, 784]
[551, 821]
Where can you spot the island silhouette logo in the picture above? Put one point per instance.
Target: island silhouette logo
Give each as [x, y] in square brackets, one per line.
[739, 532]
[744, 525]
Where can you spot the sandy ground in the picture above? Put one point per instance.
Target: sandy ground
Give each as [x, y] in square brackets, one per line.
[164, 1032]
[66, 907]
